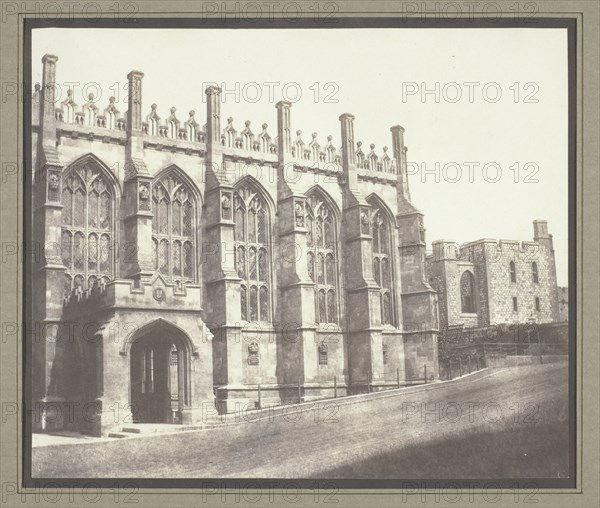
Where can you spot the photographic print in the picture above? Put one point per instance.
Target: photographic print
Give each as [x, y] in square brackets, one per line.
[339, 256]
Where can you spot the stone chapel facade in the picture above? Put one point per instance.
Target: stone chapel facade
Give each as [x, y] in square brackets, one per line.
[189, 264]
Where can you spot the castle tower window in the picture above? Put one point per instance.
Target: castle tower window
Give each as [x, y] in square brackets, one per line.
[534, 273]
[252, 257]
[322, 258]
[467, 293]
[173, 229]
[385, 354]
[87, 226]
[513, 272]
[382, 265]
[515, 304]
[537, 304]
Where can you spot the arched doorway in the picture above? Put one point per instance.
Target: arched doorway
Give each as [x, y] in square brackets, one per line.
[160, 372]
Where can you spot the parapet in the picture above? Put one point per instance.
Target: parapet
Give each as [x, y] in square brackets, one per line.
[160, 130]
[153, 294]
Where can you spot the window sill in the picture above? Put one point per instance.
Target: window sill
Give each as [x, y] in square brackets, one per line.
[265, 326]
[328, 327]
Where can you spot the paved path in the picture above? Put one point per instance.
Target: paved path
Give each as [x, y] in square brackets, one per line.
[326, 436]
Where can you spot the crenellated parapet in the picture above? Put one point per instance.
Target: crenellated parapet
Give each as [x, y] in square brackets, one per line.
[172, 128]
[89, 114]
[168, 131]
[371, 161]
[246, 140]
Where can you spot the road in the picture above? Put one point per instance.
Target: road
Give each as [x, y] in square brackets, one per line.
[347, 439]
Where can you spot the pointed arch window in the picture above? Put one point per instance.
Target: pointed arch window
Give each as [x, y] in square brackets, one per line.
[467, 293]
[382, 265]
[252, 257]
[87, 227]
[322, 259]
[173, 229]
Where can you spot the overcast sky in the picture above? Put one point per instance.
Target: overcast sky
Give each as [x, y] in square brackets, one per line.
[497, 98]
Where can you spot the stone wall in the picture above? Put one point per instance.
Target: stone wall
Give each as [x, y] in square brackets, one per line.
[563, 303]
[490, 263]
[142, 151]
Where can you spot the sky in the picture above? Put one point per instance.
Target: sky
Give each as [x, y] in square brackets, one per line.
[485, 110]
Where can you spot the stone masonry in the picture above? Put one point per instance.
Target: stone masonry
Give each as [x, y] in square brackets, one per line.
[193, 261]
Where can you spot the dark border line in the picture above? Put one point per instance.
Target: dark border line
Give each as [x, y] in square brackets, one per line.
[326, 485]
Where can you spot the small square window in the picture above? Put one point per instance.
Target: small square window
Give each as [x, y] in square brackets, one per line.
[515, 304]
[253, 357]
[323, 354]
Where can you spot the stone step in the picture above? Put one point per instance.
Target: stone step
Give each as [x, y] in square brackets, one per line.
[118, 435]
[151, 428]
[133, 430]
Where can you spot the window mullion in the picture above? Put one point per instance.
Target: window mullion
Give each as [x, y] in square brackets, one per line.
[86, 212]
[181, 256]
[170, 238]
[247, 262]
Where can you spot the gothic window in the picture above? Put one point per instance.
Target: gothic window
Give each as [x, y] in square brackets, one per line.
[87, 227]
[322, 258]
[173, 229]
[382, 265]
[513, 272]
[385, 354]
[252, 258]
[534, 272]
[467, 293]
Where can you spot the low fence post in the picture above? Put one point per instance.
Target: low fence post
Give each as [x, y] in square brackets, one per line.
[368, 382]
[299, 392]
[259, 398]
[425, 372]
[459, 367]
[398, 377]
[469, 364]
[335, 387]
